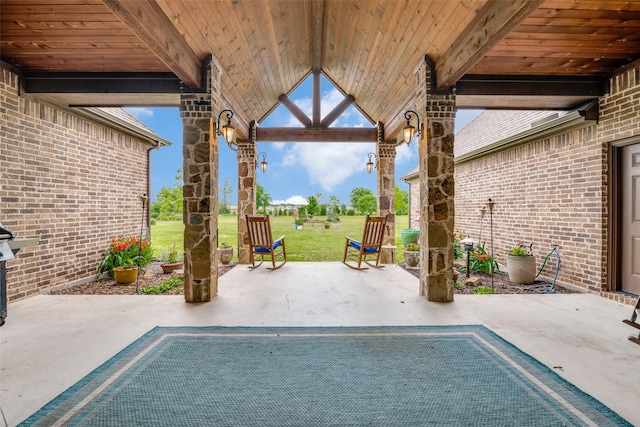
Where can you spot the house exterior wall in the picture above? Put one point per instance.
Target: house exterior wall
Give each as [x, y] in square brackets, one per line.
[72, 183]
[554, 190]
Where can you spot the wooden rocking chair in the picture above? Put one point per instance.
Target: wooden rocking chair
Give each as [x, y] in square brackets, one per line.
[355, 252]
[261, 243]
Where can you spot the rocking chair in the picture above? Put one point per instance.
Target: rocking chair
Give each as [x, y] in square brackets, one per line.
[261, 243]
[356, 252]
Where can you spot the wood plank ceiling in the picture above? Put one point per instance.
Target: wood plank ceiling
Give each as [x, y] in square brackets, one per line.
[507, 54]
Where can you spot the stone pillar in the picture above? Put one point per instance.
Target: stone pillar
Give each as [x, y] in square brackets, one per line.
[200, 191]
[436, 187]
[246, 193]
[386, 158]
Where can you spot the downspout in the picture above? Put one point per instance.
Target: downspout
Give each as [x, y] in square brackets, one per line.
[154, 147]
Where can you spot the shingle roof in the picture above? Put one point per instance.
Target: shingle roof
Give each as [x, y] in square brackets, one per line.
[495, 125]
[120, 117]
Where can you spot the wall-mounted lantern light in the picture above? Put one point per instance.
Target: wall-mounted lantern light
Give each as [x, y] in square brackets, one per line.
[370, 163]
[408, 131]
[227, 131]
[263, 163]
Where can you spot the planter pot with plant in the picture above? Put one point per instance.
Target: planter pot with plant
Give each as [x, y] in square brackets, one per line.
[225, 252]
[172, 262]
[412, 254]
[299, 223]
[521, 264]
[126, 256]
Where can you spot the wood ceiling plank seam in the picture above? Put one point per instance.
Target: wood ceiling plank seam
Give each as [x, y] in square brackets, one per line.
[592, 5]
[490, 25]
[558, 13]
[584, 30]
[391, 40]
[599, 37]
[316, 33]
[60, 17]
[85, 36]
[297, 68]
[401, 62]
[41, 27]
[286, 47]
[569, 22]
[584, 54]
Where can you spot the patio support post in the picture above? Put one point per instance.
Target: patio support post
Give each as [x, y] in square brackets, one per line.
[200, 153]
[386, 158]
[246, 192]
[436, 186]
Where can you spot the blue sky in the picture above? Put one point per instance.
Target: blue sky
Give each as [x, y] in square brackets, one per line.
[296, 170]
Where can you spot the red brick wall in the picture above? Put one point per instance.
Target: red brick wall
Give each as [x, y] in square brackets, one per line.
[68, 181]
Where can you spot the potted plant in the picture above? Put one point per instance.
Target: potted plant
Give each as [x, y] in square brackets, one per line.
[172, 262]
[299, 223]
[124, 258]
[412, 254]
[225, 252]
[521, 264]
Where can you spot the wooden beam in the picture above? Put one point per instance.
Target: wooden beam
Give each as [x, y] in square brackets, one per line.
[147, 20]
[295, 110]
[276, 134]
[337, 111]
[492, 23]
[316, 96]
[480, 84]
[317, 31]
[101, 83]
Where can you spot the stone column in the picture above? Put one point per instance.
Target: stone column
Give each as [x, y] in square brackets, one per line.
[246, 194]
[200, 191]
[436, 187]
[386, 158]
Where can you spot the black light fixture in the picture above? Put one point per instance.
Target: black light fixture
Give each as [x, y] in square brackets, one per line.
[227, 131]
[370, 164]
[263, 163]
[408, 131]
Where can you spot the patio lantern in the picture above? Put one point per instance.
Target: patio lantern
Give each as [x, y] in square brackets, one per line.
[468, 246]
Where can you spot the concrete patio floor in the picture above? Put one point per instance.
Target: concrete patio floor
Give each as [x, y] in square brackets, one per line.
[51, 341]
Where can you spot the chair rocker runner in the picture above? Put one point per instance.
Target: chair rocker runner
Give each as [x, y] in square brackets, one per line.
[261, 243]
[369, 248]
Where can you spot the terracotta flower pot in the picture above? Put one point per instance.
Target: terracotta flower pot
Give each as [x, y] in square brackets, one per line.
[125, 275]
[169, 267]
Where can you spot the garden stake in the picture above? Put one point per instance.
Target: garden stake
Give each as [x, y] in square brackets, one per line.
[143, 199]
[490, 204]
[483, 211]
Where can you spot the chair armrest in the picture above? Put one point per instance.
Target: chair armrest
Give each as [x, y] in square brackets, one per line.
[278, 239]
[349, 239]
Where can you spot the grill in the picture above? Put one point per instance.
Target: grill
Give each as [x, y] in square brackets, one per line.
[9, 247]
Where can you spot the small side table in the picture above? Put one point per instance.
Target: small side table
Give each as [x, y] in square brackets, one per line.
[392, 249]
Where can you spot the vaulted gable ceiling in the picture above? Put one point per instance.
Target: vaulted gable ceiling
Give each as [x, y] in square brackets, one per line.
[498, 54]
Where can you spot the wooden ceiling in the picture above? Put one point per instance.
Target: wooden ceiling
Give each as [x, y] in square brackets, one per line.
[498, 54]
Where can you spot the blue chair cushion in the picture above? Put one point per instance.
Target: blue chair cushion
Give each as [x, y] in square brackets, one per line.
[357, 245]
[267, 250]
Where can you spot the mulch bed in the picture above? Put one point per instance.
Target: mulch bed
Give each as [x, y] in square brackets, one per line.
[501, 283]
[154, 276]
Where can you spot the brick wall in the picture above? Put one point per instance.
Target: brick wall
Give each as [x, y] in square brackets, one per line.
[68, 181]
[554, 190]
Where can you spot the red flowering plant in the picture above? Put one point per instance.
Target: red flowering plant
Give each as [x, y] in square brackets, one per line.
[126, 252]
[482, 262]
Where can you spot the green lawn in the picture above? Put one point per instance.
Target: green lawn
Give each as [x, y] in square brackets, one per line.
[312, 243]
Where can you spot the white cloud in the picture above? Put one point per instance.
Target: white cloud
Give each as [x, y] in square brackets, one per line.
[293, 200]
[140, 113]
[407, 153]
[330, 164]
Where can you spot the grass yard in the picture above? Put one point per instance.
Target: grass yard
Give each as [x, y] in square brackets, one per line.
[312, 243]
